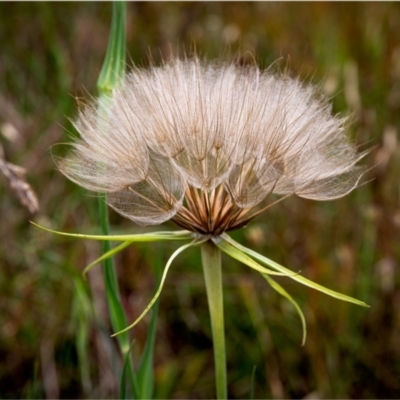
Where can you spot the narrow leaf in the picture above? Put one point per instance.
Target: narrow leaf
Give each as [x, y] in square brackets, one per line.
[145, 371]
[113, 69]
[125, 370]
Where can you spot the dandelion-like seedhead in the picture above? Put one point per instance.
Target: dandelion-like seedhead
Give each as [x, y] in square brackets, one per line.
[204, 144]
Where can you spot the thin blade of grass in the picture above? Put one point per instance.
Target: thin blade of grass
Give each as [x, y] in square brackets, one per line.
[125, 369]
[145, 372]
[113, 69]
[82, 314]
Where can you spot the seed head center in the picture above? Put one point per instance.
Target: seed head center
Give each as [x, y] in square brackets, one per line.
[210, 212]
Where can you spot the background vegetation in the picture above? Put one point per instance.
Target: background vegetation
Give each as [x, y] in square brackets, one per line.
[54, 330]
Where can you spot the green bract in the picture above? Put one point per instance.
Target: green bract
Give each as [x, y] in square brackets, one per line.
[227, 245]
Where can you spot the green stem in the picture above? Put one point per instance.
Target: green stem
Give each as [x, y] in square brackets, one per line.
[111, 74]
[116, 312]
[211, 257]
[113, 69]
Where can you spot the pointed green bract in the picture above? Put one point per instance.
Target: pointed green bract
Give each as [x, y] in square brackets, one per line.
[106, 256]
[237, 254]
[296, 277]
[276, 286]
[139, 237]
[232, 251]
[157, 294]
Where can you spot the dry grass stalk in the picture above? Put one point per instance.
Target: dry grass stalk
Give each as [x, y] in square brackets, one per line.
[15, 176]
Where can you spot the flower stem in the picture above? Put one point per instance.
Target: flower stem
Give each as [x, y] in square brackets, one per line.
[211, 257]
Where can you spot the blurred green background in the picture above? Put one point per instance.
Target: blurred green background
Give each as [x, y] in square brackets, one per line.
[54, 330]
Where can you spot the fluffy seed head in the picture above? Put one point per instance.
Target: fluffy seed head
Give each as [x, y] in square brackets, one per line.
[204, 143]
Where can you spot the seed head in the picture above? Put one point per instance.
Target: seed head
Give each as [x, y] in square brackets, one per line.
[204, 144]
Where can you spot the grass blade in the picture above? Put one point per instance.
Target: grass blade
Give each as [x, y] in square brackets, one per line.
[113, 70]
[82, 316]
[145, 372]
[125, 369]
